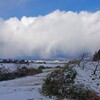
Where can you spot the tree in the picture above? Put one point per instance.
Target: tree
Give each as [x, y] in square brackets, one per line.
[96, 65]
[80, 61]
[96, 56]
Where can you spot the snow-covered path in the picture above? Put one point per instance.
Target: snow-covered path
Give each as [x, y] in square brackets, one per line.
[23, 88]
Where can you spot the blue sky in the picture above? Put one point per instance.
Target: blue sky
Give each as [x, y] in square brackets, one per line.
[19, 8]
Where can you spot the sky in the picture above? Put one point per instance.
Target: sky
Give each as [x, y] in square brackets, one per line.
[19, 8]
[48, 28]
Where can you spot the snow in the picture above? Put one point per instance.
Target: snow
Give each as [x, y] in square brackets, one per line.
[12, 66]
[28, 88]
[85, 76]
[23, 88]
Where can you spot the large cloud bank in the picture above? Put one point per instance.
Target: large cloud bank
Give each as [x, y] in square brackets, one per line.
[56, 34]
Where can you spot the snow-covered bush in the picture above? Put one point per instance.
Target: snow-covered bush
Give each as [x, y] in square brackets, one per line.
[5, 74]
[59, 82]
[81, 92]
[78, 92]
[20, 71]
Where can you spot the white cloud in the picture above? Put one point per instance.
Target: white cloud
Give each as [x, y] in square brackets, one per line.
[46, 36]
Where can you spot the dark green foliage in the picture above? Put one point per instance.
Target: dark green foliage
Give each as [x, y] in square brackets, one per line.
[41, 67]
[57, 66]
[7, 76]
[96, 56]
[78, 92]
[21, 71]
[39, 70]
[14, 61]
[57, 83]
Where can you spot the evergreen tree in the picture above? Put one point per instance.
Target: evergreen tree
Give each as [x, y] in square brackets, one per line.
[96, 56]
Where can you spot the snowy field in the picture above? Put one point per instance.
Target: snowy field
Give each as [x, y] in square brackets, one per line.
[28, 88]
[13, 66]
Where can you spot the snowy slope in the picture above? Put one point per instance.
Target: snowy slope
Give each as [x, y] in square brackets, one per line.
[85, 76]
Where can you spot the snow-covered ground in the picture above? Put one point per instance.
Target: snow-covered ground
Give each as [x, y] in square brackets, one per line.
[12, 66]
[85, 76]
[28, 88]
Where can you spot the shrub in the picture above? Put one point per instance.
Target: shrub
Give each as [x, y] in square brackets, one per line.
[93, 96]
[7, 76]
[39, 70]
[41, 67]
[58, 82]
[58, 66]
[20, 71]
[78, 92]
[25, 71]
